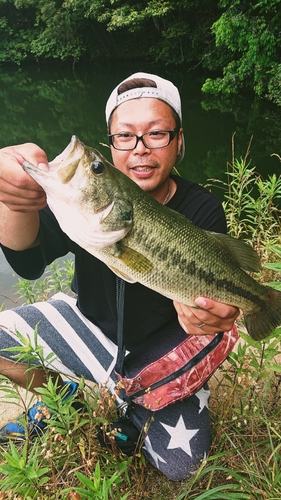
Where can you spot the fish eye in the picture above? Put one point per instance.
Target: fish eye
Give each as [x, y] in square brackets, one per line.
[97, 167]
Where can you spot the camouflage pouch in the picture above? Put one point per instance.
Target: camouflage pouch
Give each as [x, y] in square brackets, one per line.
[178, 373]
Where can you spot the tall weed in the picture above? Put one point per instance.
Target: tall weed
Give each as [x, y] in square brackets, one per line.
[251, 204]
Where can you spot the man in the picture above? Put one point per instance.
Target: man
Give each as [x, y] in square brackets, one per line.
[145, 131]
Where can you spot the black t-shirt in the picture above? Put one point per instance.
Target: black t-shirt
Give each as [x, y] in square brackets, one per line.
[146, 312]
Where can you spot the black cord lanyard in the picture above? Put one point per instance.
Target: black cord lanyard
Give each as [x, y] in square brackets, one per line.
[120, 299]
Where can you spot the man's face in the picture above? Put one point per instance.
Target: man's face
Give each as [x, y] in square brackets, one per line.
[149, 168]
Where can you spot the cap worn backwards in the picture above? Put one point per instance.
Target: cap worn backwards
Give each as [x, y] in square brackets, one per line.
[165, 91]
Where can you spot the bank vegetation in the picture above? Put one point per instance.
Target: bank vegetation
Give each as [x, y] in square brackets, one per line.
[237, 42]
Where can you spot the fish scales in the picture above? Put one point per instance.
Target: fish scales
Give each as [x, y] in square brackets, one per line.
[108, 215]
[193, 279]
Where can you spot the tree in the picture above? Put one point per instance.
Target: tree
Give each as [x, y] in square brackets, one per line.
[166, 31]
[43, 29]
[169, 31]
[16, 31]
[248, 49]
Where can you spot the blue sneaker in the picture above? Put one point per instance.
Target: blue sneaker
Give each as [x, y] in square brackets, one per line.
[36, 420]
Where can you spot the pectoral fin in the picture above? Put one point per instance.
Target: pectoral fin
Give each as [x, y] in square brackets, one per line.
[135, 261]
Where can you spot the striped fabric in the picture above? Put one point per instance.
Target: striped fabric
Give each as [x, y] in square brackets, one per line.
[81, 348]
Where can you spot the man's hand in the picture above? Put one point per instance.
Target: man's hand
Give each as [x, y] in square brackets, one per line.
[209, 318]
[21, 197]
[18, 191]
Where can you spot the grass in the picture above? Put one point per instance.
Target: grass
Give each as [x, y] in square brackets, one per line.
[67, 462]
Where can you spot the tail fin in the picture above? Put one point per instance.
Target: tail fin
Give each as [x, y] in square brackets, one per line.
[260, 324]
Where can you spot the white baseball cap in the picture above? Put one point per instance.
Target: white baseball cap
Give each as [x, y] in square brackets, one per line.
[165, 91]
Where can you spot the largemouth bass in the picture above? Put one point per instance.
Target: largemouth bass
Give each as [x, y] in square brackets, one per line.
[111, 217]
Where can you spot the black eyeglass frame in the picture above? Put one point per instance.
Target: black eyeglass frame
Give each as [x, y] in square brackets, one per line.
[172, 135]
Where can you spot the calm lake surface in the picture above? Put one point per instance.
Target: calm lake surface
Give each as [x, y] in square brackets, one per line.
[48, 104]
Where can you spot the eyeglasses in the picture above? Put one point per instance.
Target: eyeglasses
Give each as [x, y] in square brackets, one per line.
[151, 140]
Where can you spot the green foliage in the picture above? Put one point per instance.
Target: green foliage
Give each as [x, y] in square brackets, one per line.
[274, 84]
[132, 15]
[16, 31]
[100, 487]
[175, 31]
[275, 266]
[40, 29]
[30, 351]
[247, 37]
[251, 204]
[171, 31]
[57, 278]
[23, 471]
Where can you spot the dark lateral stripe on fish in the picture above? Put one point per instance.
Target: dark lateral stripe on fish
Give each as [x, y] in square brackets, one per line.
[229, 286]
[223, 284]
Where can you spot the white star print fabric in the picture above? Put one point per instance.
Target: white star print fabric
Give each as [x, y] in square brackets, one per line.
[179, 435]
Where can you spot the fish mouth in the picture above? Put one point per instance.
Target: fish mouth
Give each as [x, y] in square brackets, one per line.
[32, 170]
[58, 161]
[62, 167]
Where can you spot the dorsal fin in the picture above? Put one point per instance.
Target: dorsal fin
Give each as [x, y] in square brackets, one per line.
[244, 254]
